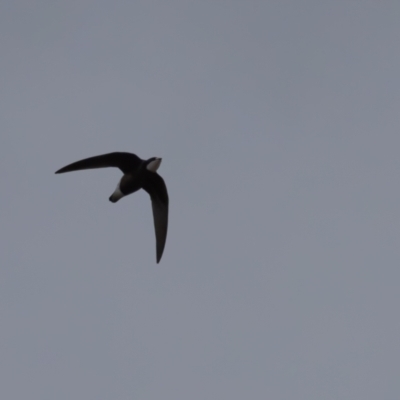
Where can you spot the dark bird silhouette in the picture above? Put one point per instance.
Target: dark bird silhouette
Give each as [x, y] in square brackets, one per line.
[138, 174]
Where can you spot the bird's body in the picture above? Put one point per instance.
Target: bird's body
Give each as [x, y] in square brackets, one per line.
[138, 174]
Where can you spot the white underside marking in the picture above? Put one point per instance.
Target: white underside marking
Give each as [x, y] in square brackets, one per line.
[154, 165]
[117, 194]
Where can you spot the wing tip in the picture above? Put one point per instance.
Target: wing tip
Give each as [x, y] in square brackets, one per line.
[62, 170]
[159, 255]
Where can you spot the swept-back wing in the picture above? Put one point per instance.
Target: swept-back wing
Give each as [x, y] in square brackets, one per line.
[124, 161]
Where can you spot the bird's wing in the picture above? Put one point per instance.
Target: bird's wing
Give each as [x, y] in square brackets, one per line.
[155, 186]
[124, 161]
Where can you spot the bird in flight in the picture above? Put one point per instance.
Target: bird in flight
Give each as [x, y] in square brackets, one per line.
[138, 174]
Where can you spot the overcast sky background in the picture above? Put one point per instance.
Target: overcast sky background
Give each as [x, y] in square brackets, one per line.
[279, 127]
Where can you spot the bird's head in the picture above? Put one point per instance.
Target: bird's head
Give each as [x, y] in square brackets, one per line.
[152, 164]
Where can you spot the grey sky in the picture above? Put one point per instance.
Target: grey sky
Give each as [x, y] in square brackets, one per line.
[278, 124]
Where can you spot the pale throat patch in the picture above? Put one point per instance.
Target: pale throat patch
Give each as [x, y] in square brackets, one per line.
[117, 193]
[154, 165]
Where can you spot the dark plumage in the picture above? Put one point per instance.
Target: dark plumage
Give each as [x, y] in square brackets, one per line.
[138, 174]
